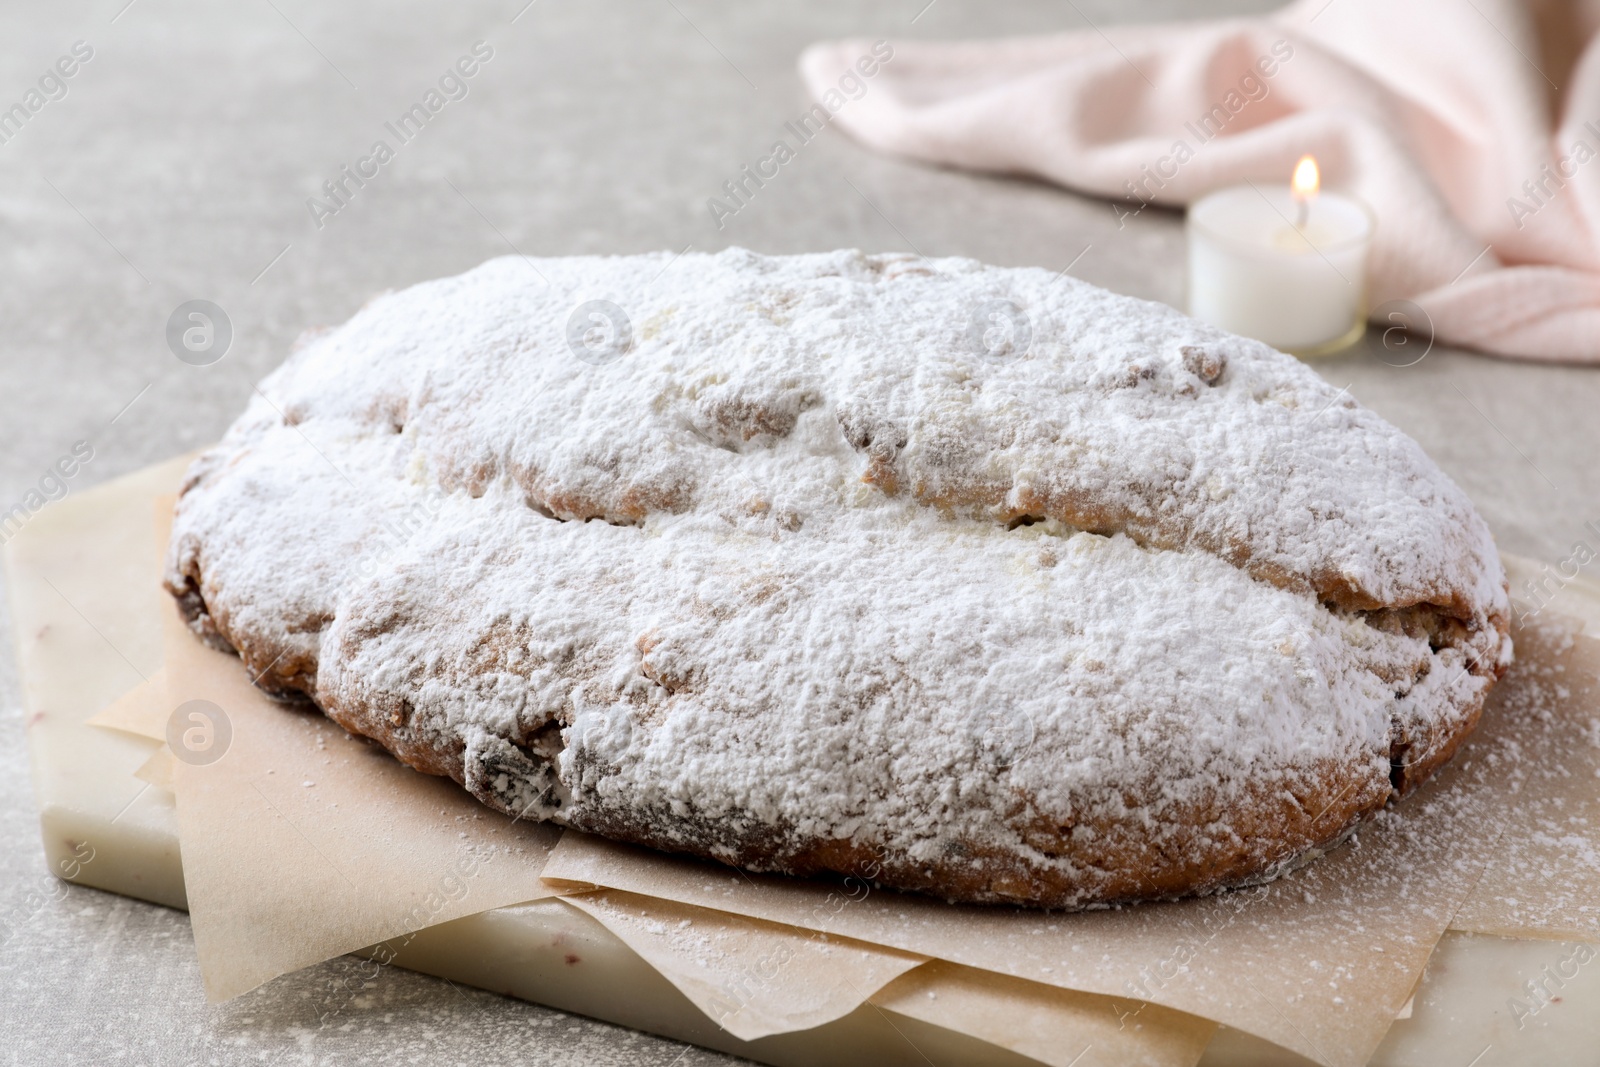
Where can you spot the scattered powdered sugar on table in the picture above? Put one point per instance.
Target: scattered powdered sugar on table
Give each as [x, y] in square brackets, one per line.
[1546, 874]
[815, 561]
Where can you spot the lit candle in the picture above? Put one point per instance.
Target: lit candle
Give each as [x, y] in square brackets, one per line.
[1283, 264]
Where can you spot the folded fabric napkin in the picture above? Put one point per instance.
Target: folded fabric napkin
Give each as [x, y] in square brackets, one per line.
[1472, 127]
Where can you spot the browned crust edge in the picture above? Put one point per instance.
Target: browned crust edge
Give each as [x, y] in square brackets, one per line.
[1271, 826]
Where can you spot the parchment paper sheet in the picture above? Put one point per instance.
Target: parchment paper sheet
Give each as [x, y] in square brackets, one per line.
[1545, 880]
[756, 978]
[1056, 1026]
[302, 843]
[249, 891]
[1320, 961]
[752, 978]
[142, 710]
[282, 874]
[158, 769]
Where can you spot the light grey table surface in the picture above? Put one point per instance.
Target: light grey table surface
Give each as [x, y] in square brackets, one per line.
[177, 167]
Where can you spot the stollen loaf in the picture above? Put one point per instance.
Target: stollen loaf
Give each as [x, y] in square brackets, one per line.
[980, 582]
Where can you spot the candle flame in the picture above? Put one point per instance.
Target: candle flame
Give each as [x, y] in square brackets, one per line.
[1307, 178]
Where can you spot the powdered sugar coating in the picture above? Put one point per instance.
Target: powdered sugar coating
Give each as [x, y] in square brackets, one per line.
[654, 597]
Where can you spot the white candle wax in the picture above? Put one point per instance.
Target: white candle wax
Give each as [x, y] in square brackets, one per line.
[1255, 269]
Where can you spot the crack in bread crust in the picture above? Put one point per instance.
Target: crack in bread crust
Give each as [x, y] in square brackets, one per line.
[1143, 612]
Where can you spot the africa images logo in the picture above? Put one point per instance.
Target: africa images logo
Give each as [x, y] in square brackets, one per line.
[852, 85]
[52, 86]
[453, 85]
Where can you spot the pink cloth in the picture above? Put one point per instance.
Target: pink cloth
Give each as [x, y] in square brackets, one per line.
[1444, 115]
